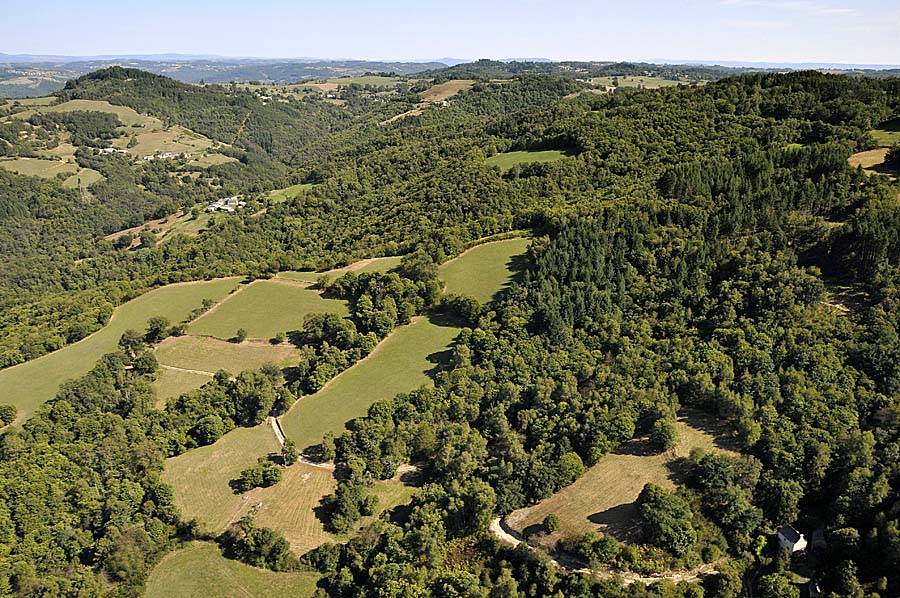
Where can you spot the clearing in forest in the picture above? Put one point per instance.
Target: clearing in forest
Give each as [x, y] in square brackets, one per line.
[888, 133]
[181, 222]
[198, 570]
[188, 362]
[643, 82]
[603, 498]
[446, 90]
[38, 167]
[83, 178]
[281, 195]
[29, 384]
[483, 270]
[264, 308]
[400, 363]
[375, 264]
[507, 160]
[200, 479]
[126, 115]
[872, 161]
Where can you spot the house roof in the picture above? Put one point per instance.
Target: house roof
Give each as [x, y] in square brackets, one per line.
[789, 533]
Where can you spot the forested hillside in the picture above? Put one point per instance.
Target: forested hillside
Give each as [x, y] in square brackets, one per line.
[706, 247]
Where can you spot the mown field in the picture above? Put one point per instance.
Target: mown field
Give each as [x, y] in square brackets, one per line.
[377, 264]
[199, 570]
[603, 498]
[126, 115]
[446, 90]
[39, 167]
[280, 195]
[200, 479]
[264, 308]
[645, 82]
[29, 384]
[400, 363]
[211, 354]
[83, 178]
[484, 269]
[887, 134]
[507, 160]
[172, 383]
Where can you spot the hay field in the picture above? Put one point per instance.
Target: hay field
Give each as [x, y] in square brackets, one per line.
[83, 178]
[482, 270]
[171, 383]
[29, 384]
[264, 308]
[281, 195]
[206, 354]
[375, 264]
[38, 167]
[887, 134]
[400, 363]
[198, 570]
[507, 160]
[126, 115]
[603, 498]
[445, 91]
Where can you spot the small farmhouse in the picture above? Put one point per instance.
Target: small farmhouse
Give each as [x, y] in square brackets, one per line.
[791, 539]
[227, 204]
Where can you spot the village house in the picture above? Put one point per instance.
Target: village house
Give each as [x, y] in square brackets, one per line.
[227, 204]
[791, 539]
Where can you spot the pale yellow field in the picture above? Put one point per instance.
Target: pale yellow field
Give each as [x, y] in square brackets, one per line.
[38, 167]
[127, 115]
[83, 178]
[444, 91]
[171, 383]
[603, 498]
[210, 355]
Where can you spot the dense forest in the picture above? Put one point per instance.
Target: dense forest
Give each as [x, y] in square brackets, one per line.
[685, 254]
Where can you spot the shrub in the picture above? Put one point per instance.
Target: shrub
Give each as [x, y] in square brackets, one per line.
[7, 414]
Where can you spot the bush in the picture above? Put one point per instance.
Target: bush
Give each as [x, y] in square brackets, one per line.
[551, 523]
[7, 414]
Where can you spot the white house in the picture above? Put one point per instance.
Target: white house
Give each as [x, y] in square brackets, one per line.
[791, 539]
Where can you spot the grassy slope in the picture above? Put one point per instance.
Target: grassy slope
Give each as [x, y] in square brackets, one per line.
[37, 167]
[211, 355]
[126, 115]
[200, 571]
[174, 383]
[888, 133]
[507, 160]
[29, 384]
[482, 270]
[280, 195]
[399, 364]
[377, 264]
[603, 498]
[200, 479]
[84, 177]
[264, 308]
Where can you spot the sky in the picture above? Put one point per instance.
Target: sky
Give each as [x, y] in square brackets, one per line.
[830, 31]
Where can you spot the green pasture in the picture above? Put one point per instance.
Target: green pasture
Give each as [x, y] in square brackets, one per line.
[38, 167]
[29, 384]
[264, 308]
[507, 160]
[483, 270]
[400, 363]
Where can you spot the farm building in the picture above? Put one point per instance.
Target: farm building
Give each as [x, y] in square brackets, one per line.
[791, 539]
[227, 204]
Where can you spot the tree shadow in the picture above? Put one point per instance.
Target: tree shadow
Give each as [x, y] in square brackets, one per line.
[533, 530]
[637, 447]
[621, 522]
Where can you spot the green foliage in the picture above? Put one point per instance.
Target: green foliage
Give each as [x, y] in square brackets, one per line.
[7, 414]
[551, 523]
[257, 546]
[264, 474]
[666, 519]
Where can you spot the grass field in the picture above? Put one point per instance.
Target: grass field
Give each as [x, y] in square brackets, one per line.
[38, 167]
[164, 228]
[603, 498]
[483, 270]
[399, 364]
[645, 82]
[42, 101]
[207, 160]
[264, 308]
[376, 264]
[280, 195]
[174, 383]
[199, 570]
[84, 178]
[887, 134]
[29, 384]
[126, 115]
[507, 160]
[872, 161]
[446, 90]
[200, 479]
[207, 354]
[156, 139]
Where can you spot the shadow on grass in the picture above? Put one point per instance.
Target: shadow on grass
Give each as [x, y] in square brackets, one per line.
[621, 522]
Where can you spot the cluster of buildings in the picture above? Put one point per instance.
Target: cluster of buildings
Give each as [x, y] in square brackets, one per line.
[226, 204]
[111, 150]
[163, 156]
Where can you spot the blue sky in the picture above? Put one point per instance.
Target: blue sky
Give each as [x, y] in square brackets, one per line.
[845, 31]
